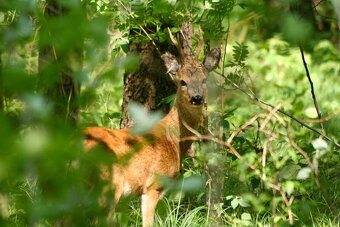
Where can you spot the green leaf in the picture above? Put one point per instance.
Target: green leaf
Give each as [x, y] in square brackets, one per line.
[143, 121]
[289, 171]
[34, 141]
[289, 187]
[295, 29]
[168, 100]
[240, 53]
[2, 17]
[192, 184]
[243, 203]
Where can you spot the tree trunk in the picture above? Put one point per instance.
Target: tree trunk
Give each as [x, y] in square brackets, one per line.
[57, 68]
[149, 85]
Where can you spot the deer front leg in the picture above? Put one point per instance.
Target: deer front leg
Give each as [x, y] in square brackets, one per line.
[149, 202]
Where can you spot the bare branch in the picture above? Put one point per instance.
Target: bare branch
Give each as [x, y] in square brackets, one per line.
[327, 118]
[152, 41]
[312, 89]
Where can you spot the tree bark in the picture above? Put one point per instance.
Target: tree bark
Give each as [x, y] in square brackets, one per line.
[149, 85]
[57, 68]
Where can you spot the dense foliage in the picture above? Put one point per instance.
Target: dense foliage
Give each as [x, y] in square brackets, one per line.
[278, 166]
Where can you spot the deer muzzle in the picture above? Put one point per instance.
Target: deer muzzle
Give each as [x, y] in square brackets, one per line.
[197, 100]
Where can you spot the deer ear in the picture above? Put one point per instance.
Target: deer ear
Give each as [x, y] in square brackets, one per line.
[212, 59]
[171, 64]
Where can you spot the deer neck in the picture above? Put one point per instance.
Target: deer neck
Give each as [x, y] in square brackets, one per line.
[186, 120]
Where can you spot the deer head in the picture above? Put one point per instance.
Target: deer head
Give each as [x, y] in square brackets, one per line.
[188, 74]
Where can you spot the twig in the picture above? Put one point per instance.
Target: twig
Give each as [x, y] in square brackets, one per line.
[268, 141]
[317, 4]
[288, 203]
[254, 98]
[327, 118]
[244, 126]
[312, 89]
[216, 140]
[303, 153]
[312, 8]
[269, 116]
[152, 41]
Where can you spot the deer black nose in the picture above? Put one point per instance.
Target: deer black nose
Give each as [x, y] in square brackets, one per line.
[196, 100]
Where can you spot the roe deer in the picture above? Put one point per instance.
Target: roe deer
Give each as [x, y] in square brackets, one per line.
[161, 155]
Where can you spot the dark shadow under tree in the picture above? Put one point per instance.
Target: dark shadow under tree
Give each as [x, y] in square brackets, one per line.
[58, 61]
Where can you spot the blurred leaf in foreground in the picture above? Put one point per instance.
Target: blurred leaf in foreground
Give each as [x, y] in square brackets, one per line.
[143, 121]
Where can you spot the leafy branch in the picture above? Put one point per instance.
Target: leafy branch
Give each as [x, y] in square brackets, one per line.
[240, 54]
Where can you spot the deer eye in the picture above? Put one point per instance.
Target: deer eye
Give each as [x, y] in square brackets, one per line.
[183, 83]
[204, 81]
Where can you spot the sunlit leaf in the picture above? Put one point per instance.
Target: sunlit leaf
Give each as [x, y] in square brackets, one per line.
[304, 173]
[319, 144]
[245, 216]
[2, 17]
[234, 203]
[229, 197]
[311, 112]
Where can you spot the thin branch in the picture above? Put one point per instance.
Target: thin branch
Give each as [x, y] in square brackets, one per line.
[317, 4]
[303, 153]
[152, 41]
[312, 89]
[269, 116]
[218, 141]
[313, 8]
[327, 118]
[244, 126]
